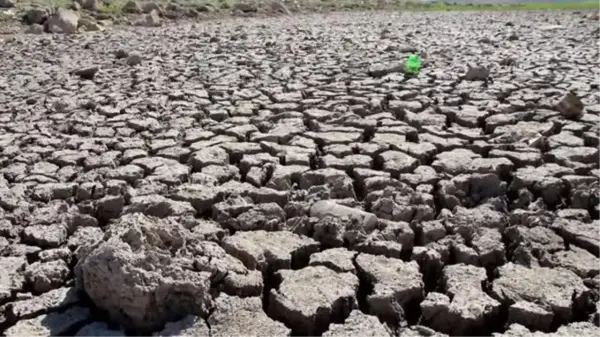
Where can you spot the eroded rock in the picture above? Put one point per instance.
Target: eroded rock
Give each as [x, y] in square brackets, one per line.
[138, 247]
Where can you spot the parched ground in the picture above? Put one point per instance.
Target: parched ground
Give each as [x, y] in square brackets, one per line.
[268, 177]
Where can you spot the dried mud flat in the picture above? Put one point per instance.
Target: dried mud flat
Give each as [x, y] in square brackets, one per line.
[268, 177]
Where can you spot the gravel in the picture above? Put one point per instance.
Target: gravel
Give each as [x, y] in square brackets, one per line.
[283, 176]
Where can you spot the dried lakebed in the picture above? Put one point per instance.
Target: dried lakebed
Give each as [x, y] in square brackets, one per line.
[268, 177]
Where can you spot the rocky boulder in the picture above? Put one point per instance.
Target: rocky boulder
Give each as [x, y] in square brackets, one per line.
[62, 21]
[138, 249]
[7, 3]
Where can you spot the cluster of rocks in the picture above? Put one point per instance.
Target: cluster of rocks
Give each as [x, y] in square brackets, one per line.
[270, 177]
[94, 15]
[86, 15]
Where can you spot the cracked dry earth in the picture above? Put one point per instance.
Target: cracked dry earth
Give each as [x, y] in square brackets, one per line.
[270, 177]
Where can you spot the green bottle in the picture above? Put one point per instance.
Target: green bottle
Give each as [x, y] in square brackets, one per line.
[413, 64]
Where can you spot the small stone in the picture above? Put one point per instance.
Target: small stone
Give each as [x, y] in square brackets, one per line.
[121, 53]
[86, 73]
[477, 73]
[132, 59]
[150, 6]
[245, 7]
[570, 107]
[132, 7]
[90, 5]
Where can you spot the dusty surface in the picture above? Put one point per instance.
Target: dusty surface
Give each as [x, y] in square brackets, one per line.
[283, 176]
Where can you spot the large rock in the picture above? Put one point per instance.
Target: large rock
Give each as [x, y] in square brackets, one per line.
[132, 6]
[62, 21]
[90, 5]
[7, 3]
[138, 249]
[151, 19]
[35, 16]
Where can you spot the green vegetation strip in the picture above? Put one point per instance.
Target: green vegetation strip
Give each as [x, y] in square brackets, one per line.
[442, 6]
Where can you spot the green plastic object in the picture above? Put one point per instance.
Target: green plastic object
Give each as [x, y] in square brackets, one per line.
[413, 64]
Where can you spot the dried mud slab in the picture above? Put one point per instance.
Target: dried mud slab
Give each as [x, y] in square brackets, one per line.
[554, 294]
[573, 329]
[359, 324]
[233, 316]
[309, 299]
[395, 283]
[464, 308]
